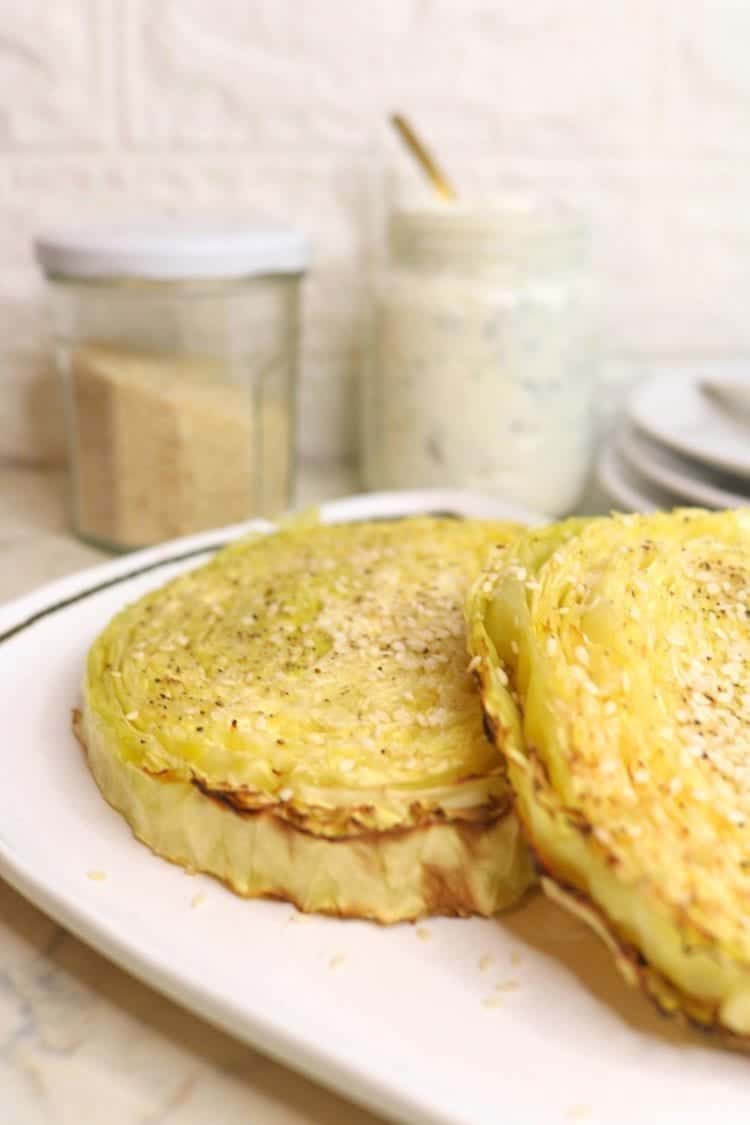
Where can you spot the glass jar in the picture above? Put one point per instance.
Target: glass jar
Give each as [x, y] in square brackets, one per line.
[483, 360]
[177, 347]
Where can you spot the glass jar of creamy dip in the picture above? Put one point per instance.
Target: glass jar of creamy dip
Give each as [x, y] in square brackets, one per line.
[177, 347]
[483, 367]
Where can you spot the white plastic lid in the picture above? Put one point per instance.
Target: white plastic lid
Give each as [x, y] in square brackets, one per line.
[170, 249]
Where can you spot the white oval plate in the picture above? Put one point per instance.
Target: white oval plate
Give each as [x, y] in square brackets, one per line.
[522, 1019]
[630, 491]
[695, 483]
[677, 413]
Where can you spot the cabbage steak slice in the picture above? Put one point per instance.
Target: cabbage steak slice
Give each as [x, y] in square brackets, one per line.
[613, 656]
[296, 718]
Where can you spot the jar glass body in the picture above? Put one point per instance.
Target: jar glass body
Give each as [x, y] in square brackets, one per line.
[179, 402]
[483, 359]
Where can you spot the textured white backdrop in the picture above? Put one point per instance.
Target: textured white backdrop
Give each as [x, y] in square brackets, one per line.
[637, 111]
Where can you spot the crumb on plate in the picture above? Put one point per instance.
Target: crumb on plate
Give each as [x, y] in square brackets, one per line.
[507, 986]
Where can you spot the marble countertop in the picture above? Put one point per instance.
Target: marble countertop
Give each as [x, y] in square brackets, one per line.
[76, 1033]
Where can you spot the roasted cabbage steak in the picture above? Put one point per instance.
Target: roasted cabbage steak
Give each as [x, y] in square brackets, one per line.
[296, 718]
[613, 656]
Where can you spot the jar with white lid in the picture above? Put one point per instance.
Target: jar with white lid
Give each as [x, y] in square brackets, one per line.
[483, 365]
[177, 344]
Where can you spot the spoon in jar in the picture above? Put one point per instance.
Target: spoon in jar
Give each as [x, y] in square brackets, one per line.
[424, 158]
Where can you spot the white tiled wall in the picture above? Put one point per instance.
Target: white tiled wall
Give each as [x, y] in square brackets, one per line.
[637, 111]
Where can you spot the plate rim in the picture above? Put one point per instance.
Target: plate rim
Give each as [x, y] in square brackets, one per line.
[609, 475]
[641, 454]
[642, 420]
[363, 505]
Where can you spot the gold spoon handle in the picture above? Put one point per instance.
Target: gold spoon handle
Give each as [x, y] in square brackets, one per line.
[424, 158]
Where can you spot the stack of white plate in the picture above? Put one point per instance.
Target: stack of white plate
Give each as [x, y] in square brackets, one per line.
[680, 442]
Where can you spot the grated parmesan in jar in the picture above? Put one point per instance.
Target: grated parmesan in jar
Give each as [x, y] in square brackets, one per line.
[161, 447]
[177, 345]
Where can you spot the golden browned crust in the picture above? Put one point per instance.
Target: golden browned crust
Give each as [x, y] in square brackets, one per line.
[353, 822]
[445, 890]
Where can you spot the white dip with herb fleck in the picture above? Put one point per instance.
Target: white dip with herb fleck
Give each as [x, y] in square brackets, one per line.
[483, 366]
